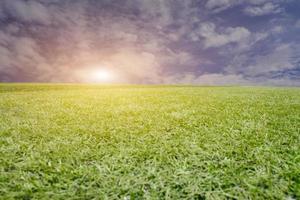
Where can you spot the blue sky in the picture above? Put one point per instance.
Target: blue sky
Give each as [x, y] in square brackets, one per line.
[211, 42]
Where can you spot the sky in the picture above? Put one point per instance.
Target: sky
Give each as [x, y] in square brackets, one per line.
[205, 42]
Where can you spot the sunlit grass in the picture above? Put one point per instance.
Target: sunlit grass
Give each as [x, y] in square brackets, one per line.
[155, 142]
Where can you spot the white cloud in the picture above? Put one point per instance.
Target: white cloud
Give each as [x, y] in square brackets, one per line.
[163, 11]
[254, 7]
[277, 29]
[275, 62]
[220, 79]
[207, 79]
[279, 59]
[214, 39]
[247, 44]
[219, 5]
[259, 2]
[297, 24]
[266, 9]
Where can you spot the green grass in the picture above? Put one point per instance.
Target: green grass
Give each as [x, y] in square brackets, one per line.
[149, 142]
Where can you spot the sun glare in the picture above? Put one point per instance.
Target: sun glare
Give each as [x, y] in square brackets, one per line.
[102, 75]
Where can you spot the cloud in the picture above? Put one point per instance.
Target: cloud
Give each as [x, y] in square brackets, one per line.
[21, 55]
[221, 79]
[159, 41]
[274, 63]
[26, 51]
[79, 39]
[214, 39]
[266, 9]
[281, 58]
[207, 79]
[277, 29]
[251, 7]
[219, 5]
[136, 65]
[26, 11]
[297, 24]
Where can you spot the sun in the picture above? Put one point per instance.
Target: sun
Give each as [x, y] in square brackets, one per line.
[102, 75]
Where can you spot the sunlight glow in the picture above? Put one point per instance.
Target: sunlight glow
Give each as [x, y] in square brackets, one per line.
[102, 75]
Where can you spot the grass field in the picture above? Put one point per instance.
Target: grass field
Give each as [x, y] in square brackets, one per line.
[149, 142]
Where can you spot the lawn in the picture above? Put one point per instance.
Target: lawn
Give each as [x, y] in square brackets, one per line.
[149, 142]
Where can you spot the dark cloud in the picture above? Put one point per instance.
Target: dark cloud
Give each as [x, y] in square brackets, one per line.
[159, 41]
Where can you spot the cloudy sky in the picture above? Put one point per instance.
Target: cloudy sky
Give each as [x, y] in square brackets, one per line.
[211, 42]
